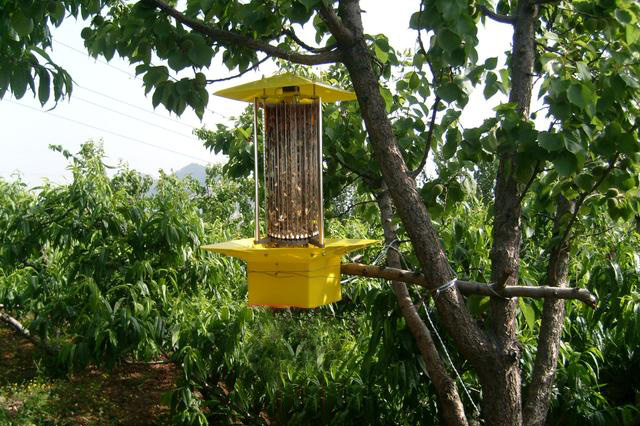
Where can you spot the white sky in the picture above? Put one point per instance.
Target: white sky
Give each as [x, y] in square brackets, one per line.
[108, 103]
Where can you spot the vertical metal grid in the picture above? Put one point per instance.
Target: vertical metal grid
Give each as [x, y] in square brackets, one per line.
[255, 170]
[320, 195]
[291, 171]
[264, 163]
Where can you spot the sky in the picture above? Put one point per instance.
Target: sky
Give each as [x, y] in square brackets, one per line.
[108, 103]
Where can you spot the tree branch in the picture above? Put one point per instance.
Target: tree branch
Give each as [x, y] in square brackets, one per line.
[471, 287]
[353, 206]
[447, 394]
[22, 331]
[539, 393]
[536, 170]
[230, 38]
[427, 148]
[292, 35]
[505, 19]
[584, 196]
[240, 74]
[343, 34]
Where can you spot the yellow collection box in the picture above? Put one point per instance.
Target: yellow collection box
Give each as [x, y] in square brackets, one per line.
[304, 277]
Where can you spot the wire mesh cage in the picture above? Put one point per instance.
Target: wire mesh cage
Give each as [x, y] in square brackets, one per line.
[292, 171]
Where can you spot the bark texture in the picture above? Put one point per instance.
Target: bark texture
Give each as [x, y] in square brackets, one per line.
[545, 365]
[451, 408]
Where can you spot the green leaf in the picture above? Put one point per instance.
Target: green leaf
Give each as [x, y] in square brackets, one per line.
[573, 146]
[626, 143]
[380, 54]
[44, 86]
[491, 85]
[157, 96]
[623, 16]
[529, 314]
[309, 4]
[580, 95]
[491, 63]
[584, 71]
[388, 98]
[23, 25]
[19, 81]
[451, 145]
[449, 40]
[200, 55]
[449, 92]
[585, 181]
[565, 164]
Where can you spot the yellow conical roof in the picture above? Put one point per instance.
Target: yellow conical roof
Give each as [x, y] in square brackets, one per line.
[270, 90]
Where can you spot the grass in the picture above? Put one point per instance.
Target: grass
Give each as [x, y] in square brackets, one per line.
[29, 395]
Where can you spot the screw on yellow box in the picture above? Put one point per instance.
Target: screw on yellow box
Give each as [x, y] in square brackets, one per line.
[304, 277]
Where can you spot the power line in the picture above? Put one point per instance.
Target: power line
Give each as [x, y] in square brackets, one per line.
[134, 118]
[110, 132]
[122, 71]
[135, 106]
[96, 59]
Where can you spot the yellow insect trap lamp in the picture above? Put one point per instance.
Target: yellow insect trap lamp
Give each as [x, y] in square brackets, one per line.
[293, 265]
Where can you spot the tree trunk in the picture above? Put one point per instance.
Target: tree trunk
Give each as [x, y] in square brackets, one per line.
[449, 403]
[469, 339]
[544, 367]
[502, 404]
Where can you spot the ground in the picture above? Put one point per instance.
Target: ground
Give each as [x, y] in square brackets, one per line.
[127, 395]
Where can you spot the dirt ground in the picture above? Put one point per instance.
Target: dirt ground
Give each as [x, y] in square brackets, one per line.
[127, 395]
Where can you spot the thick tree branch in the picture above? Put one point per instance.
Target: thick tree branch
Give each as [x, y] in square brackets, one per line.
[449, 400]
[230, 38]
[341, 33]
[427, 148]
[469, 288]
[539, 393]
[469, 339]
[497, 17]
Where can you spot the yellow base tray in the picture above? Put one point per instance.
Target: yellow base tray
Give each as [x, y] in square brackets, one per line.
[304, 277]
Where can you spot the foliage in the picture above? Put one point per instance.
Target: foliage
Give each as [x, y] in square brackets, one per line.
[351, 363]
[584, 148]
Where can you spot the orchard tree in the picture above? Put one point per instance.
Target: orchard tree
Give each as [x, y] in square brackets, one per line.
[585, 55]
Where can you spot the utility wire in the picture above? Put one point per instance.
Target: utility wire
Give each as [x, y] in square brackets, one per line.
[120, 135]
[83, 53]
[190, 137]
[122, 71]
[104, 95]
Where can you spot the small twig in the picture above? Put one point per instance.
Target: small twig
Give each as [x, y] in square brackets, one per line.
[240, 74]
[427, 148]
[353, 206]
[584, 196]
[351, 169]
[305, 46]
[536, 170]
[158, 362]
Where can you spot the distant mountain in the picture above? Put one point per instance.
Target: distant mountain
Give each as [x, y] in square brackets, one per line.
[196, 171]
